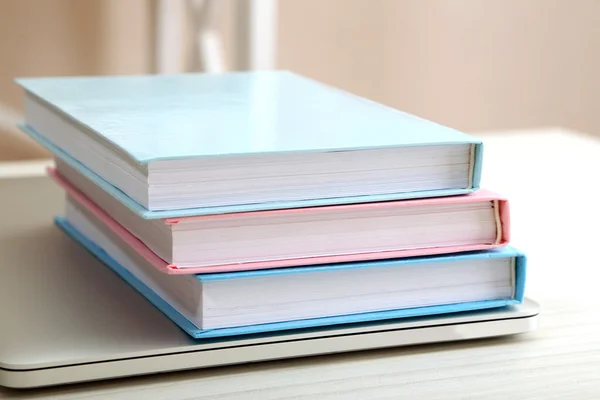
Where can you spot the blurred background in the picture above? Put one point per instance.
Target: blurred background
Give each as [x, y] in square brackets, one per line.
[488, 65]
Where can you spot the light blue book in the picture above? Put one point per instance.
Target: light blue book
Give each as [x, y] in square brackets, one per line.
[198, 144]
[241, 303]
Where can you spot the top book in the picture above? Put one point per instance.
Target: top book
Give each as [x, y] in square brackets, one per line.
[197, 144]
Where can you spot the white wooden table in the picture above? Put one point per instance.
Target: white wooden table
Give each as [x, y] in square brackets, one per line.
[552, 179]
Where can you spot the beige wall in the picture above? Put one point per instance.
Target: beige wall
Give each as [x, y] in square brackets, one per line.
[64, 37]
[67, 37]
[473, 65]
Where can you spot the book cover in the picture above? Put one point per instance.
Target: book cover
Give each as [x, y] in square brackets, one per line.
[152, 118]
[502, 238]
[193, 331]
[148, 119]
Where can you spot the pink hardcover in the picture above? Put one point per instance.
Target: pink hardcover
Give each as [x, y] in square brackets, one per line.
[502, 237]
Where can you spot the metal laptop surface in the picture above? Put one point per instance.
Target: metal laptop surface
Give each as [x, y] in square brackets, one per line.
[66, 318]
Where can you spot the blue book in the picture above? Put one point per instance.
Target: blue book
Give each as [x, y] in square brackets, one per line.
[240, 303]
[199, 144]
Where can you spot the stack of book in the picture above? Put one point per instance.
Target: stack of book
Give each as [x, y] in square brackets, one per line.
[253, 202]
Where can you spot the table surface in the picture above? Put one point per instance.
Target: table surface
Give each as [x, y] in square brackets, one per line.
[551, 180]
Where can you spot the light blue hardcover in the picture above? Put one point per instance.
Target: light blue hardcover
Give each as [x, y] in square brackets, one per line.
[190, 115]
[192, 330]
[152, 118]
[188, 212]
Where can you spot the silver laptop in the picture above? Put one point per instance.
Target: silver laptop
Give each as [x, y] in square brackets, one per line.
[66, 318]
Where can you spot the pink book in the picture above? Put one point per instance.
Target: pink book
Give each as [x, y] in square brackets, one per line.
[293, 237]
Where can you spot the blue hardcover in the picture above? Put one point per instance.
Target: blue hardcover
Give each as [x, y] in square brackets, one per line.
[192, 330]
[150, 118]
